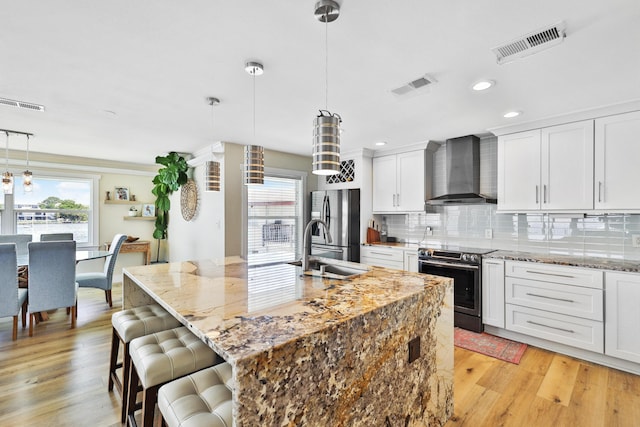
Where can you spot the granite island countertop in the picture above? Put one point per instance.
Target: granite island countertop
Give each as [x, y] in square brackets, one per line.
[632, 266]
[315, 351]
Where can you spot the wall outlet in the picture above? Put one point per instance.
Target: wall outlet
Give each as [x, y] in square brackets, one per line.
[488, 233]
[429, 231]
[635, 240]
[414, 349]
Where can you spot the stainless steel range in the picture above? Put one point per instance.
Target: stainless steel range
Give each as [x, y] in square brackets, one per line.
[464, 265]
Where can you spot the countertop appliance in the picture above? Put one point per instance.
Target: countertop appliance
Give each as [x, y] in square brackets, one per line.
[464, 265]
[340, 210]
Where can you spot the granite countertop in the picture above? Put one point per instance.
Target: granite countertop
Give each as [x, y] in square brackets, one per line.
[569, 260]
[394, 245]
[240, 310]
[308, 350]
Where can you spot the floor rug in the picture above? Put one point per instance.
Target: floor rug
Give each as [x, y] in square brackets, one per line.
[490, 345]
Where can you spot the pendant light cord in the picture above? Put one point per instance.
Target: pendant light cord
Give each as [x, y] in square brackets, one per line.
[6, 151]
[27, 152]
[326, 60]
[254, 105]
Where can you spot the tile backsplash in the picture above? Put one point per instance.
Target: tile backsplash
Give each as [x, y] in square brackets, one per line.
[608, 236]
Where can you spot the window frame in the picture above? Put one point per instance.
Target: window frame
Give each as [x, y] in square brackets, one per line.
[9, 215]
[276, 173]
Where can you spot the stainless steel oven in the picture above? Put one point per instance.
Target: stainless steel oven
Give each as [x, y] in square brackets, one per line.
[464, 267]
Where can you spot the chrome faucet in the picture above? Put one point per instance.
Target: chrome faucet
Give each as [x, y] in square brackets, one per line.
[305, 240]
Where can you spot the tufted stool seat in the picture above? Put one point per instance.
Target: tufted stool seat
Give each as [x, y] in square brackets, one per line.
[159, 358]
[127, 325]
[199, 399]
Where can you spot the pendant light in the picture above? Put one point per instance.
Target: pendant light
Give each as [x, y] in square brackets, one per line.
[326, 126]
[212, 169]
[27, 176]
[254, 154]
[7, 177]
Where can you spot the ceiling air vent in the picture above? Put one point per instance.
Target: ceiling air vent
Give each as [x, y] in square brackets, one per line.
[21, 104]
[530, 43]
[414, 85]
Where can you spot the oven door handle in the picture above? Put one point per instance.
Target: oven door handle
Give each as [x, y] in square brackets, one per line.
[446, 264]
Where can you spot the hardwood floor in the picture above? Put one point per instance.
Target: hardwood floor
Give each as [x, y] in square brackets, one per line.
[59, 377]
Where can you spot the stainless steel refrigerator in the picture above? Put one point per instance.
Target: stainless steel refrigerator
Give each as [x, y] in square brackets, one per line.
[340, 210]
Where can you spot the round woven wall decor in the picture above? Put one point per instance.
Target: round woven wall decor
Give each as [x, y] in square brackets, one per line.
[189, 200]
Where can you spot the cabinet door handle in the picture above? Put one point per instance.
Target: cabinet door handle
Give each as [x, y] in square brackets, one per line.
[537, 201]
[398, 199]
[551, 274]
[551, 327]
[599, 191]
[553, 298]
[394, 200]
[544, 195]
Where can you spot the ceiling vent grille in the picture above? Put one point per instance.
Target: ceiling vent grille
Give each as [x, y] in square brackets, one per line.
[530, 43]
[21, 104]
[419, 83]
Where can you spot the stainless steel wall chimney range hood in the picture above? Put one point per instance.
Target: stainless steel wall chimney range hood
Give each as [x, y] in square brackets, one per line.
[462, 173]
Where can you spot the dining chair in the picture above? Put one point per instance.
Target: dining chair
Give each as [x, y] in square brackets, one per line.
[103, 280]
[12, 298]
[21, 240]
[52, 273]
[48, 237]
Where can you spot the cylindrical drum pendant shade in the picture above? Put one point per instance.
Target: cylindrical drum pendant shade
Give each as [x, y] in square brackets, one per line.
[326, 145]
[253, 164]
[212, 176]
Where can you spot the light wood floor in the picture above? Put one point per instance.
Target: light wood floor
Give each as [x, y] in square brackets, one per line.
[59, 377]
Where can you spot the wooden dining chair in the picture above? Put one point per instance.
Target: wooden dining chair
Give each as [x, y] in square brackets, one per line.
[103, 279]
[49, 237]
[12, 299]
[52, 273]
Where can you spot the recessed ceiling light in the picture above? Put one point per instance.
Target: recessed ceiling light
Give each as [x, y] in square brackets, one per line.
[381, 143]
[512, 114]
[483, 85]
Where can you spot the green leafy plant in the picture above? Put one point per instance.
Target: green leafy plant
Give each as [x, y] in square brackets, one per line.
[170, 177]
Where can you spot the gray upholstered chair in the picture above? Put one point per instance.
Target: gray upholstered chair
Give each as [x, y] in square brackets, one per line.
[21, 240]
[52, 274]
[49, 237]
[103, 280]
[12, 299]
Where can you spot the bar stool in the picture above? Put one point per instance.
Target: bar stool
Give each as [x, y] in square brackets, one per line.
[127, 325]
[159, 358]
[203, 398]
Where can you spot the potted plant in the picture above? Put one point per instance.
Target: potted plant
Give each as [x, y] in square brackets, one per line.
[170, 177]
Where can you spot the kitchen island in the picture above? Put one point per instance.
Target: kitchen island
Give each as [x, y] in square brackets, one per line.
[314, 351]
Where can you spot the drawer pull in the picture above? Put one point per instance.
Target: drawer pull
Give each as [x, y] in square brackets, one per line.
[551, 327]
[544, 296]
[380, 253]
[551, 274]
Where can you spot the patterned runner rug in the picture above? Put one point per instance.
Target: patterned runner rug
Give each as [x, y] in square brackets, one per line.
[490, 345]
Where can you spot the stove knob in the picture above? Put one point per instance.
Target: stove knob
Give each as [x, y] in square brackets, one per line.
[464, 257]
[473, 258]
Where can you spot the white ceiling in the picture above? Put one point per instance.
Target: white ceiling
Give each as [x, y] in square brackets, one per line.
[127, 80]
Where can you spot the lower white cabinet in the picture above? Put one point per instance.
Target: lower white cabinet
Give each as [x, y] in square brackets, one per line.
[622, 315]
[382, 257]
[493, 292]
[411, 261]
[556, 303]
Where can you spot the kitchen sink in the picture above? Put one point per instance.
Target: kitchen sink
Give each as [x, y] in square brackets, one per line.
[330, 270]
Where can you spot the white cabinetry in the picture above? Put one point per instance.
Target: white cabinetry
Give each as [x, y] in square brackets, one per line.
[622, 315]
[399, 182]
[382, 257]
[411, 260]
[548, 169]
[556, 303]
[493, 292]
[617, 148]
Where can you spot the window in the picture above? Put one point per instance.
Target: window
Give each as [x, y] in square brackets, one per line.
[56, 205]
[274, 215]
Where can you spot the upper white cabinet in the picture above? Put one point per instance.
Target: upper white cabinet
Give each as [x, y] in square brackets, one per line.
[622, 315]
[617, 148]
[547, 169]
[398, 182]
